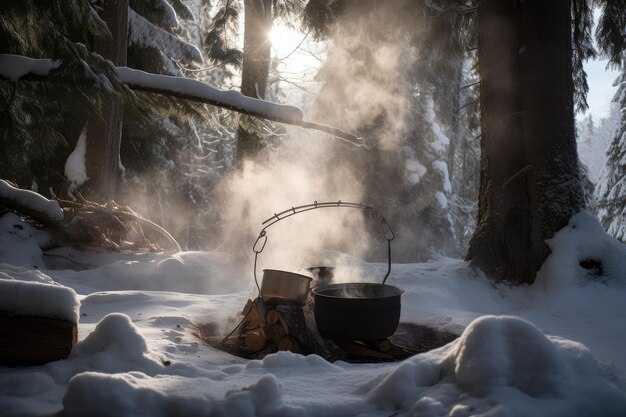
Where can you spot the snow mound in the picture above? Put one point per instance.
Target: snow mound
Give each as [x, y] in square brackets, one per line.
[582, 252]
[37, 297]
[500, 366]
[137, 394]
[115, 345]
[263, 398]
[288, 359]
[507, 351]
[129, 395]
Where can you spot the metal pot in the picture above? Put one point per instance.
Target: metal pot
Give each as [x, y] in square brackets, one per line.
[357, 311]
[282, 287]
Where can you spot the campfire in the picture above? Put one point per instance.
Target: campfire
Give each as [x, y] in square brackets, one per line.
[338, 321]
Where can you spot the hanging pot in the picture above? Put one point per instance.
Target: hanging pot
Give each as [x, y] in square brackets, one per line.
[357, 311]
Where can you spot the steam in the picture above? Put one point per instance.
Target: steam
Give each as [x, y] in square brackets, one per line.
[365, 91]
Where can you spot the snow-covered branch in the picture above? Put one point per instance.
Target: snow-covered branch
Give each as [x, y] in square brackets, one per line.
[15, 67]
[30, 203]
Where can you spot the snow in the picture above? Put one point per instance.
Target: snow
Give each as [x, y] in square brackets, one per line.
[145, 34]
[442, 200]
[31, 298]
[582, 239]
[35, 201]
[194, 88]
[14, 67]
[551, 349]
[75, 167]
[502, 366]
[416, 170]
[442, 167]
[21, 243]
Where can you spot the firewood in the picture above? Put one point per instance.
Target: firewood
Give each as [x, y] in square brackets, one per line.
[361, 350]
[272, 316]
[283, 323]
[274, 332]
[251, 314]
[255, 340]
[290, 344]
[383, 345]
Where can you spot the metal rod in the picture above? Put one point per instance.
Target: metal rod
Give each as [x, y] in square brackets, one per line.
[386, 228]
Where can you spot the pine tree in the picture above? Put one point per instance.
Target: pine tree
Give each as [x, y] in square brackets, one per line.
[403, 103]
[39, 119]
[530, 179]
[611, 193]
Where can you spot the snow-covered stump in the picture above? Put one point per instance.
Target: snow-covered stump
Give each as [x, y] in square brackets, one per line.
[28, 340]
[38, 319]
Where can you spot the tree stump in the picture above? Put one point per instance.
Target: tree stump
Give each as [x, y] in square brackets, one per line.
[27, 340]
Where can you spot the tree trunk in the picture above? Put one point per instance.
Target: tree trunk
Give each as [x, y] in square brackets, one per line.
[104, 132]
[256, 66]
[530, 184]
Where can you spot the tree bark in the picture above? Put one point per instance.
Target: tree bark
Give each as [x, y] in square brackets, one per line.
[530, 183]
[256, 66]
[104, 132]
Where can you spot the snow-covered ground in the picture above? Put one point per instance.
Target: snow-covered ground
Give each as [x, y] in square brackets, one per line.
[553, 349]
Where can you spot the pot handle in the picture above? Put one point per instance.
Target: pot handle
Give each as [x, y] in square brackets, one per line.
[259, 245]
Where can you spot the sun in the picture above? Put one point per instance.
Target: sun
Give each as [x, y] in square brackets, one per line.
[296, 52]
[284, 39]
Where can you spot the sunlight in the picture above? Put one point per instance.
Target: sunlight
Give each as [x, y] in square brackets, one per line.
[284, 39]
[297, 59]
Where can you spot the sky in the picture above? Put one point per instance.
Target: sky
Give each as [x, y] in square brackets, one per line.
[601, 89]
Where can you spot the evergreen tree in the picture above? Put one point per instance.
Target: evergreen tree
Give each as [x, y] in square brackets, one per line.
[39, 119]
[407, 71]
[611, 193]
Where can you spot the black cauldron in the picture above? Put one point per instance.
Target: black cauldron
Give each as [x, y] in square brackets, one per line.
[357, 311]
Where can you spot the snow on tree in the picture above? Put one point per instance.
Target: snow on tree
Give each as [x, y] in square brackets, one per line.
[611, 192]
[594, 139]
[395, 87]
[41, 120]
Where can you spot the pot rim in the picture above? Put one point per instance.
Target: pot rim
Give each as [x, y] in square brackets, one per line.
[287, 272]
[318, 290]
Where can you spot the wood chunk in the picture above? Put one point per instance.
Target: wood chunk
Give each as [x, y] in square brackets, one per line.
[361, 350]
[290, 344]
[274, 332]
[272, 316]
[383, 345]
[283, 323]
[251, 314]
[26, 340]
[255, 340]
